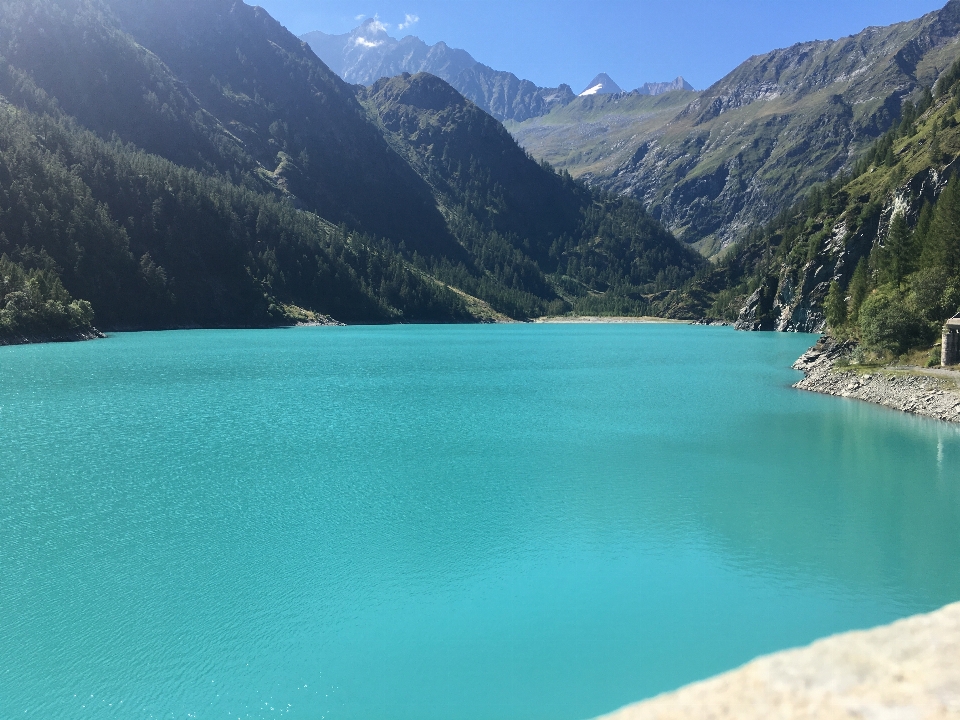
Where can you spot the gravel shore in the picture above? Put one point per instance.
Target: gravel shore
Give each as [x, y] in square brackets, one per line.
[932, 393]
[910, 669]
[604, 320]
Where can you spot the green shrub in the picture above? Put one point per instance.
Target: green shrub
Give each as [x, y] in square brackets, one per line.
[888, 322]
[35, 302]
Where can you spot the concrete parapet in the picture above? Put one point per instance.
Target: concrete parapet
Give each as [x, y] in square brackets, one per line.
[910, 669]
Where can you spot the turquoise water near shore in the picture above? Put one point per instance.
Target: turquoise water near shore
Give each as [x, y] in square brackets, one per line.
[442, 522]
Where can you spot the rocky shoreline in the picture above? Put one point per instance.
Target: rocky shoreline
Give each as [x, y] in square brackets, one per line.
[75, 336]
[920, 391]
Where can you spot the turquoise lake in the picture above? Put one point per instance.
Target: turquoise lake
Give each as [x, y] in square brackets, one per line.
[497, 522]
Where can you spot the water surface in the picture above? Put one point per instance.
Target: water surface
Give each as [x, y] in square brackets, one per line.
[442, 522]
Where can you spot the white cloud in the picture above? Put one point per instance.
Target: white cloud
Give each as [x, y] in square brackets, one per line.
[363, 42]
[360, 18]
[409, 21]
[377, 26]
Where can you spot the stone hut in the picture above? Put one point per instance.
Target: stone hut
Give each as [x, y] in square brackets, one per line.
[951, 342]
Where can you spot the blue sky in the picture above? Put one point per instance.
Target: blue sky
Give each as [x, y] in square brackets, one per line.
[554, 41]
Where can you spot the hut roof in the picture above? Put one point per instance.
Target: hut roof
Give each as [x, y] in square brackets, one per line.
[954, 323]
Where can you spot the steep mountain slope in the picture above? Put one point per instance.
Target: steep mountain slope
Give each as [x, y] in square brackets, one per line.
[368, 54]
[151, 244]
[601, 253]
[234, 180]
[293, 116]
[593, 136]
[876, 255]
[754, 142]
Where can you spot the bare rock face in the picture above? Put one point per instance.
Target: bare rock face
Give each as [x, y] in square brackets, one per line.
[910, 669]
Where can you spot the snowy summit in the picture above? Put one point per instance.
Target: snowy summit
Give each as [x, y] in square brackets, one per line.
[602, 84]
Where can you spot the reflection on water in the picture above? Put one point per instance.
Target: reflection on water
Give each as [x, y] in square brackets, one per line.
[471, 522]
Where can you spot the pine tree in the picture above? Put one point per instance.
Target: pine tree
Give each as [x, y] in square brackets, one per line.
[836, 307]
[942, 242]
[894, 258]
[859, 289]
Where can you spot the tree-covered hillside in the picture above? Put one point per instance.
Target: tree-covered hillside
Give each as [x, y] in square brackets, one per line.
[580, 249]
[177, 164]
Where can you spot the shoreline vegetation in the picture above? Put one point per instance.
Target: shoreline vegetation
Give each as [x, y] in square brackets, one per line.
[906, 669]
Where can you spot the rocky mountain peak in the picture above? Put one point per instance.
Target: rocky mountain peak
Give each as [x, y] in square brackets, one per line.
[369, 53]
[659, 88]
[602, 84]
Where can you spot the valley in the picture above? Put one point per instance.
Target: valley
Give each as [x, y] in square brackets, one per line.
[397, 408]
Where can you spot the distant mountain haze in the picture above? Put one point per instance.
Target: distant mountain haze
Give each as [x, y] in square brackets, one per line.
[665, 87]
[369, 53]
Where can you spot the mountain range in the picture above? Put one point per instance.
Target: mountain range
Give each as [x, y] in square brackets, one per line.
[733, 156]
[873, 255]
[369, 53]
[167, 163]
[180, 164]
[709, 165]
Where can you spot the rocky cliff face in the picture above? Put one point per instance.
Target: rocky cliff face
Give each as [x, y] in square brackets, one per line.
[792, 298]
[752, 144]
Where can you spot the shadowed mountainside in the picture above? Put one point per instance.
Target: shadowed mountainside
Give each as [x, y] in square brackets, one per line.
[182, 164]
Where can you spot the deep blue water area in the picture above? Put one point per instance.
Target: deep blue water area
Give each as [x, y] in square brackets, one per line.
[497, 522]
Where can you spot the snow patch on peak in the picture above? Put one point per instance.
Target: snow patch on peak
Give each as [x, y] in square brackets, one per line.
[602, 84]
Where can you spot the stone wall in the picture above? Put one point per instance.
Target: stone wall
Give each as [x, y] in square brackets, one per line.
[951, 347]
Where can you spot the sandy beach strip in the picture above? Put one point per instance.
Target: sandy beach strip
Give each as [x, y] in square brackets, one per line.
[595, 319]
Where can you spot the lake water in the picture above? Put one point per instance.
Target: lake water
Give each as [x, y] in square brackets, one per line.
[510, 522]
